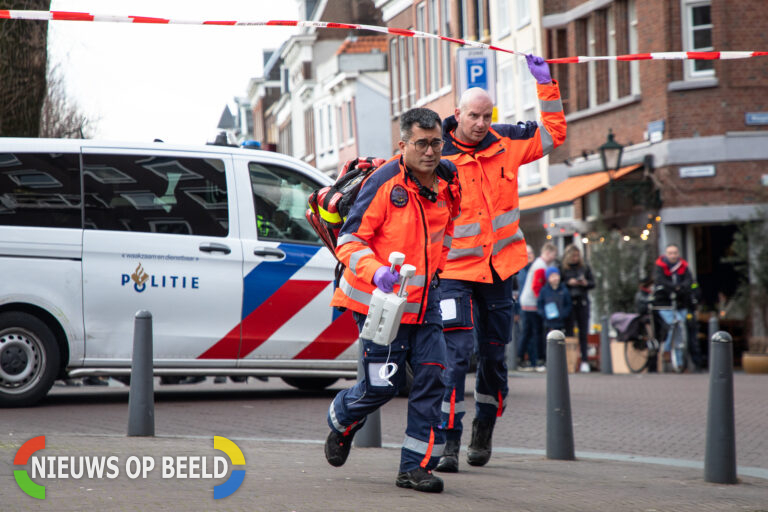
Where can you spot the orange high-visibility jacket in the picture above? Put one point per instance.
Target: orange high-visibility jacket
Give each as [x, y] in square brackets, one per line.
[488, 232]
[389, 215]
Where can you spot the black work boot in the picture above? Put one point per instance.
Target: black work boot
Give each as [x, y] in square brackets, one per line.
[420, 479]
[338, 444]
[479, 450]
[449, 462]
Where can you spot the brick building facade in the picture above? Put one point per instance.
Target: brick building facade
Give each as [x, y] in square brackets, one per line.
[695, 130]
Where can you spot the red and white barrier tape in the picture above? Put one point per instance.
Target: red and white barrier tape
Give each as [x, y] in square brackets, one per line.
[83, 16]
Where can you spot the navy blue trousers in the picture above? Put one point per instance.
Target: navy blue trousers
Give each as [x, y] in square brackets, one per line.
[423, 346]
[481, 312]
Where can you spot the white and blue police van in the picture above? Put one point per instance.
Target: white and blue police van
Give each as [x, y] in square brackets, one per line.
[212, 241]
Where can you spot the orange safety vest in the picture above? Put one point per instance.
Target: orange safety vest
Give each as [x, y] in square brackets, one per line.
[389, 215]
[488, 232]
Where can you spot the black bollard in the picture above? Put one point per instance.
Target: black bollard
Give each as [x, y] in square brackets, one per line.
[720, 456]
[559, 423]
[713, 325]
[369, 436]
[141, 398]
[606, 365]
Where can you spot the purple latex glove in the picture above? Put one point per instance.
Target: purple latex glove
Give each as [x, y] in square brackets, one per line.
[539, 68]
[386, 280]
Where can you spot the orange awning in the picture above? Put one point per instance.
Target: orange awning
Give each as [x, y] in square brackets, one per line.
[571, 189]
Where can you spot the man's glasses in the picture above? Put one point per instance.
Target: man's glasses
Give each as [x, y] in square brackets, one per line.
[421, 145]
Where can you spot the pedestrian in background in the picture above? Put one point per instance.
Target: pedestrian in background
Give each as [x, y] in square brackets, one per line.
[488, 249]
[578, 278]
[531, 334]
[554, 302]
[517, 328]
[407, 205]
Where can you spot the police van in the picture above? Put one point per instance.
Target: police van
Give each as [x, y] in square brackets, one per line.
[212, 241]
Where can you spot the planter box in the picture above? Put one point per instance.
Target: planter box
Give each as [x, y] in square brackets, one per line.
[754, 363]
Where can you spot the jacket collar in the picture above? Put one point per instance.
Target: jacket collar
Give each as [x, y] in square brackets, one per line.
[453, 147]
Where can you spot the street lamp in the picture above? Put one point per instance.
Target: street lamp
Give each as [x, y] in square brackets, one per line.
[610, 154]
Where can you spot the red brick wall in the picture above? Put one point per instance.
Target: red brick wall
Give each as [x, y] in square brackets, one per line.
[743, 84]
[733, 183]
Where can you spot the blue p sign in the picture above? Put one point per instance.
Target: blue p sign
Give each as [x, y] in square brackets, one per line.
[477, 75]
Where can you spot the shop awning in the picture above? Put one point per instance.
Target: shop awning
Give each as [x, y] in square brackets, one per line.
[571, 189]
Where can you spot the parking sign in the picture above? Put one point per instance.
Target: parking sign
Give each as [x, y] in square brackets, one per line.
[477, 68]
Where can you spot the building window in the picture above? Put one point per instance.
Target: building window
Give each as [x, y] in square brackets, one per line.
[634, 66]
[407, 97]
[285, 82]
[559, 213]
[527, 84]
[421, 50]
[613, 69]
[531, 174]
[507, 88]
[285, 140]
[329, 129]
[446, 46]
[611, 31]
[394, 70]
[592, 206]
[434, 69]
[309, 132]
[591, 66]
[464, 13]
[350, 122]
[481, 10]
[523, 13]
[503, 16]
[340, 125]
[697, 31]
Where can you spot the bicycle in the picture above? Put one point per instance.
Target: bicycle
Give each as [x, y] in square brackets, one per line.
[642, 346]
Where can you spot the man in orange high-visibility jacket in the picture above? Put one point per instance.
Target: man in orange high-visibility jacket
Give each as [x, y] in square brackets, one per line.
[488, 249]
[407, 205]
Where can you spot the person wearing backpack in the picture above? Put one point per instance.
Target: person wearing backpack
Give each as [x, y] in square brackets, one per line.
[407, 205]
[488, 249]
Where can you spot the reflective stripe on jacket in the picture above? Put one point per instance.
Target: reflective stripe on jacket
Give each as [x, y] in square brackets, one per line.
[390, 215]
[488, 229]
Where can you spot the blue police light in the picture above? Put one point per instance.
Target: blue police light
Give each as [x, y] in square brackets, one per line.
[251, 144]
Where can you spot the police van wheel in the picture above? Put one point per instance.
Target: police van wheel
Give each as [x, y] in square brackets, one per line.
[29, 359]
[309, 383]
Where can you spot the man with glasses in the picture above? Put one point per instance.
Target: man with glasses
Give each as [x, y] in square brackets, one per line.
[488, 249]
[408, 205]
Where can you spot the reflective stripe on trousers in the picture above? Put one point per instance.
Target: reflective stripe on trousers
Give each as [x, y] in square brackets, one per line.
[426, 448]
[488, 399]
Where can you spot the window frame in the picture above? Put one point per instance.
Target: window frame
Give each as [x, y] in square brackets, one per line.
[689, 66]
[525, 19]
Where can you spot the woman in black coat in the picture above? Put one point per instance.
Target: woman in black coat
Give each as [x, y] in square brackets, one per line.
[578, 278]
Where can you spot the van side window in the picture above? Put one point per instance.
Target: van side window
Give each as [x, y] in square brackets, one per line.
[280, 200]
[157, 194]
[40, 190]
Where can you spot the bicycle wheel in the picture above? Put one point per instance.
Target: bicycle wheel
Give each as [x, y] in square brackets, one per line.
[636, 355]
[678, 349]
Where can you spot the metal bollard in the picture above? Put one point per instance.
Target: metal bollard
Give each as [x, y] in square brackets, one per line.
[713, 325]
[720, 455]
[141, 398]
[559, 423]
[606, 365]
[369, 436]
